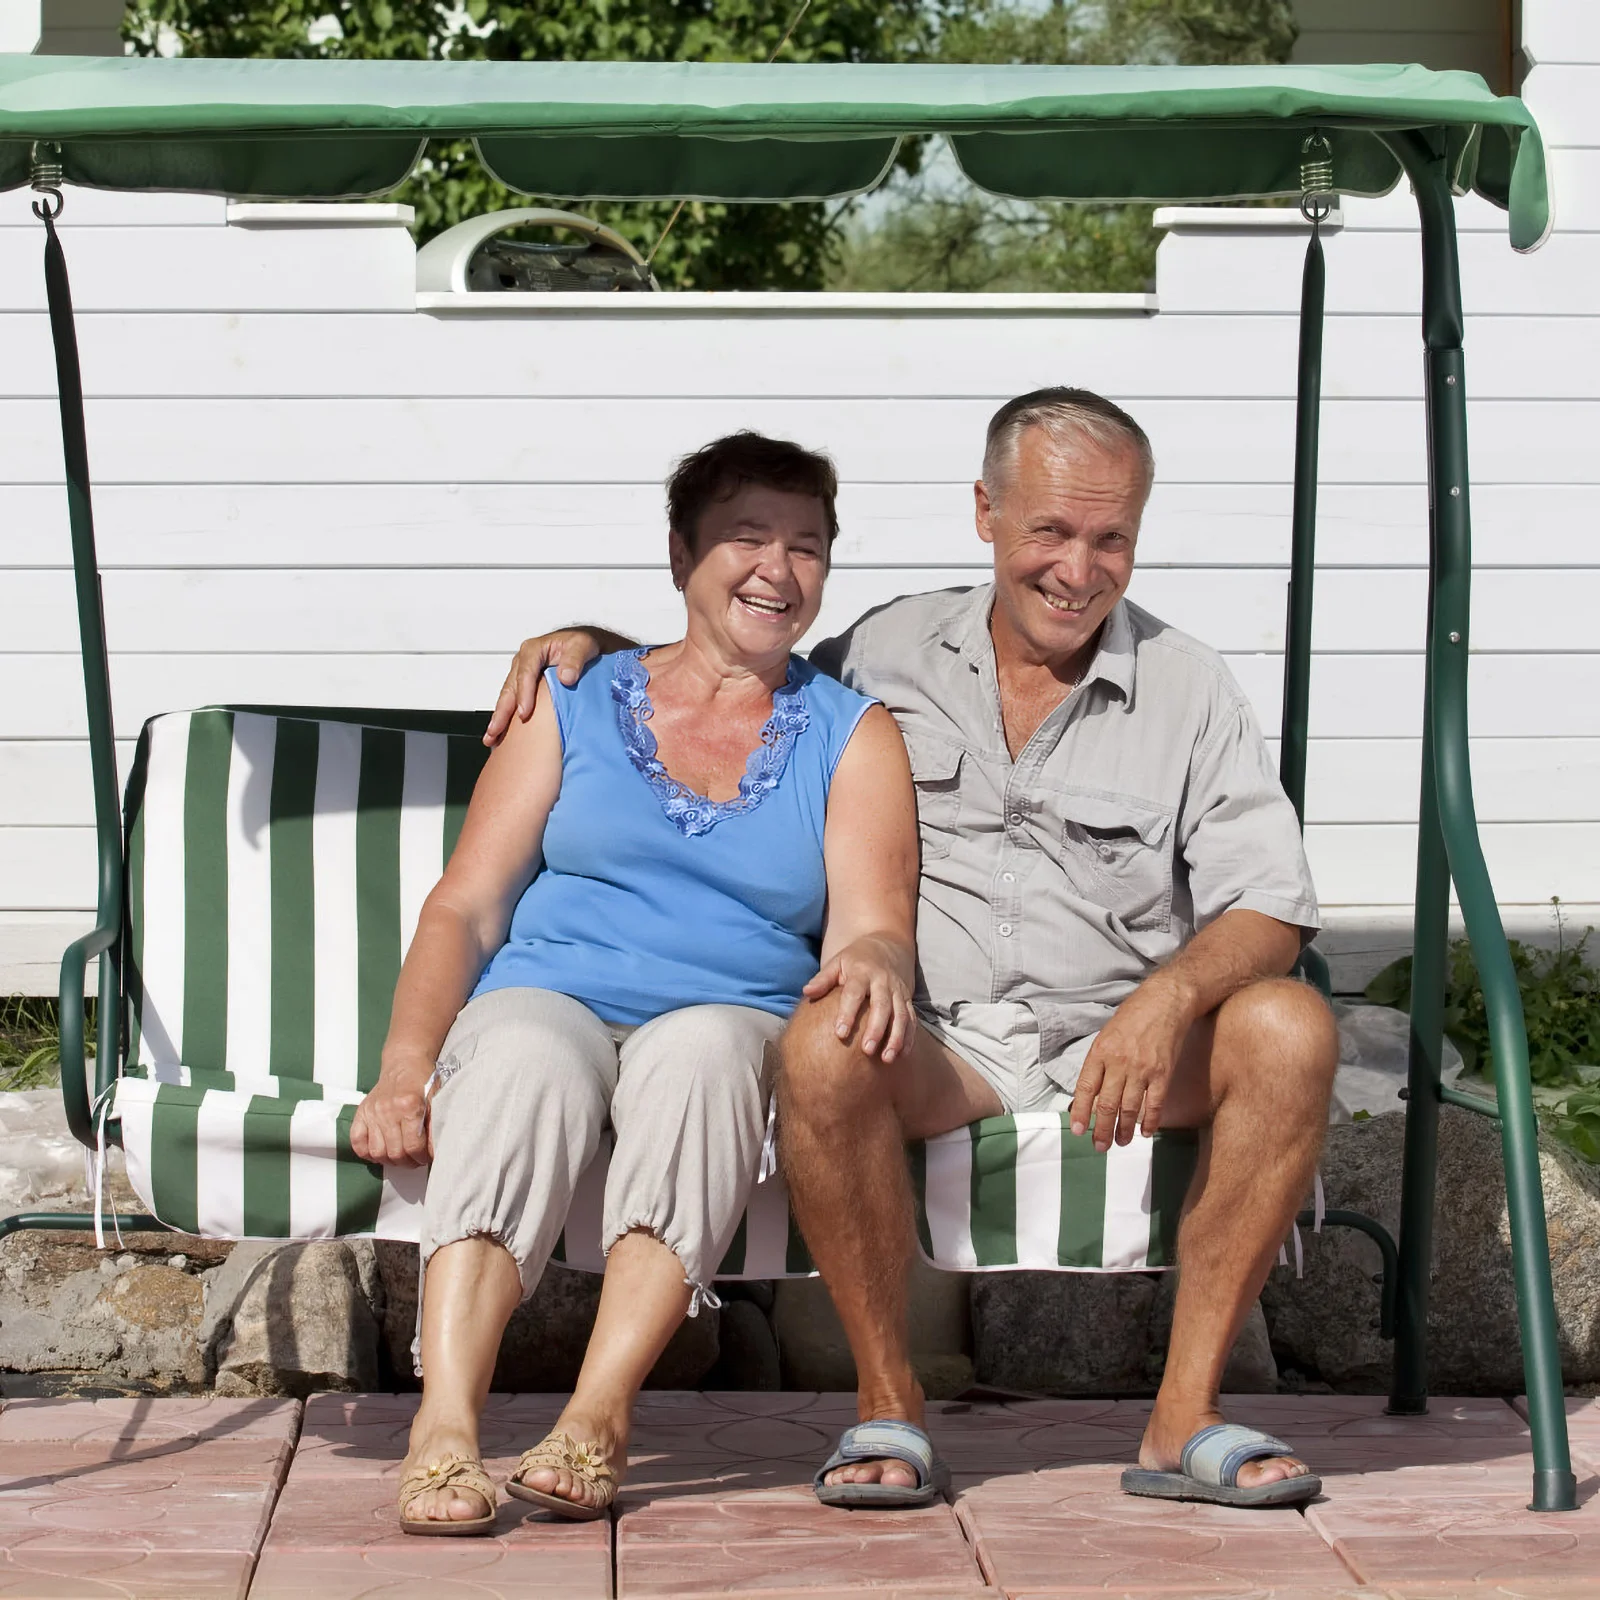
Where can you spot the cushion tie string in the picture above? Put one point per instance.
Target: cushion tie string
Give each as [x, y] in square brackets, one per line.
[100, 1113]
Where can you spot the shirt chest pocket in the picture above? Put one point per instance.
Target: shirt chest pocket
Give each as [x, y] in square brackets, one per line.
[1119, 853]
[936, 771]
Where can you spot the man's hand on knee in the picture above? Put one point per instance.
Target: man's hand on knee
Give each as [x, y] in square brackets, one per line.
[1129, 1068]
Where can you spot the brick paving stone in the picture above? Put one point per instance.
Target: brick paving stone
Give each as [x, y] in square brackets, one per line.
[1073, 1527]
[1512, 1589]
[1235, 1590]
[122, 1419]
[897, 1591]
[138, 1498]
[335, 1533]
[730, 1542]
[1460, 1537]
[433, 1569]
[683, 1442]
[1583, 1428]
[121, 1574]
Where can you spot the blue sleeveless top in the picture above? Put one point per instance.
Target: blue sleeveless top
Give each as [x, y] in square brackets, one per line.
[652, 897]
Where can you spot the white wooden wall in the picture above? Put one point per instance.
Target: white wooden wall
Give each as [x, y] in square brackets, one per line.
[1471, 34]
[309, 490]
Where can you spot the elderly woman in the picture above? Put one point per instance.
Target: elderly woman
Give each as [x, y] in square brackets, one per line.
[652, 872]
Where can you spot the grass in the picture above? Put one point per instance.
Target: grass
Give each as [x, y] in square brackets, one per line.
[1561, 1005]
[30, 1042]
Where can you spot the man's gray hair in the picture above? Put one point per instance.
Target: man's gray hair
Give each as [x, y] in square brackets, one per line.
[1070, 417]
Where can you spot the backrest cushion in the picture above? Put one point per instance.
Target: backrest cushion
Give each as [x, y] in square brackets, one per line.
[277, 862]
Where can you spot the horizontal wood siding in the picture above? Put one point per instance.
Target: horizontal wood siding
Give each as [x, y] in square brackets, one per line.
[308, 491]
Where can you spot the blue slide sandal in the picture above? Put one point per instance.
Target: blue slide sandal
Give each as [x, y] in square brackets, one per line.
[884, 1441]
[1209, 1471]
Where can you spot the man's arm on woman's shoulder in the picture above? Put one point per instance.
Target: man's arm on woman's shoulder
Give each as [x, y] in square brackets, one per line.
[568, 650]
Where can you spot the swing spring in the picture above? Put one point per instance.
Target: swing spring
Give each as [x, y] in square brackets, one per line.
[1316, 178]
[46, 177]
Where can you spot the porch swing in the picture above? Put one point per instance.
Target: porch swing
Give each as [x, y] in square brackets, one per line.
[253, 898]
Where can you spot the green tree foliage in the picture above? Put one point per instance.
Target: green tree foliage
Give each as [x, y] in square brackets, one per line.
[936, 232]
[930, 232]
[712, 246]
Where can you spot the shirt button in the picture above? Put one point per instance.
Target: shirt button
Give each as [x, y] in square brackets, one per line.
[1008, 877]
[1016, 819]
[1005, 930]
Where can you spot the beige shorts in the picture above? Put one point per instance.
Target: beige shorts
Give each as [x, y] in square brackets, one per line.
[534, 1079]
[1000, 1042]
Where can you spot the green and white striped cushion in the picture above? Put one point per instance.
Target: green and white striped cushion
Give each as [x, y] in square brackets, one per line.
[277, 863]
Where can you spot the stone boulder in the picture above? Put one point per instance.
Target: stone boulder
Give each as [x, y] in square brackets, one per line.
[1089, 1333]
[290, 1319]
[747, 1356]
[1326, 1324]
[131, 1313]
[815, 1354]
[545, 1341]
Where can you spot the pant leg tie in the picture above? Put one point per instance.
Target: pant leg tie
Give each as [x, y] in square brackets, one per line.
[703, 1295]
[769, 1144]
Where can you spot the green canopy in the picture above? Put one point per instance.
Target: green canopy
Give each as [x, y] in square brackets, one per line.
[644, 130]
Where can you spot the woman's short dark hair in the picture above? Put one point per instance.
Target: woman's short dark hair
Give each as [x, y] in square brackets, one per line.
[719, 470]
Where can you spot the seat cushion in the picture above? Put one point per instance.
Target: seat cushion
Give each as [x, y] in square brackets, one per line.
[277, 862]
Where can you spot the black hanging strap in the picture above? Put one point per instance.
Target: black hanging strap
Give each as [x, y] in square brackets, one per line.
[92, 640]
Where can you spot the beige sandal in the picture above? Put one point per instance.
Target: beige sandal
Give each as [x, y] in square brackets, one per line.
[449, 1472]
[584, 1461]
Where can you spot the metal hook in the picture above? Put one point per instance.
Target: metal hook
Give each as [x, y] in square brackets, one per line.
[46, 177]
[1316, 178]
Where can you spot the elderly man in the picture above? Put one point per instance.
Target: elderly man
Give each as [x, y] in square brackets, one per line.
[1113, 896]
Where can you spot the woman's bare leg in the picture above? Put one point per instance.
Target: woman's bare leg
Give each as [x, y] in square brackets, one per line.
[471, 1290]
[643, 1300]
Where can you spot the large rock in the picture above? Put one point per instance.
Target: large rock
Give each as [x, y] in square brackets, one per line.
[545, 1341]
[291, 1319]
[131, 1313]
[1070, 1332]
[1326, 1324]
[1085, 1333]
[816, 1355]
[748, 1350]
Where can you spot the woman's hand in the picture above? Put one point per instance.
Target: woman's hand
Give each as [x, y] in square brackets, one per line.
[391, 1125]
[873, 972]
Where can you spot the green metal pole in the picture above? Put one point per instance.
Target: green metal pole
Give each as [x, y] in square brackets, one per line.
[1554, 1487]
[1303, 547]
[104, 941]
[1408, 1392]
[1303, 560]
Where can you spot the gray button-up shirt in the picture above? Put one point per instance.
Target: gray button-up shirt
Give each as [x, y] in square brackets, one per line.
[1143, 808]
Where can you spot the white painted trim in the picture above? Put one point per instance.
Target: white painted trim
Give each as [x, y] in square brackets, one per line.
[317, 214]
[1239, 219]
[721, 303]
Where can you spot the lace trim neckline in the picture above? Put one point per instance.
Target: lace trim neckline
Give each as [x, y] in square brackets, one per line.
[689, 812]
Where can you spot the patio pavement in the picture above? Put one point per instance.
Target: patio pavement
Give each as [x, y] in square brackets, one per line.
[205, 1498]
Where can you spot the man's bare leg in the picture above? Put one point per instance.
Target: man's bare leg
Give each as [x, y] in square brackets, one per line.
[1256, 1076]
[844, 1119]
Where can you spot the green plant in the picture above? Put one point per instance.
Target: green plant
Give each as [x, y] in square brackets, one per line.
[1560, 1003]
[1575, 1120]
[30, 1042]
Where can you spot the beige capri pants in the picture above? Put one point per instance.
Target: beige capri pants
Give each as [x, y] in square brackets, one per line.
[528, 1080]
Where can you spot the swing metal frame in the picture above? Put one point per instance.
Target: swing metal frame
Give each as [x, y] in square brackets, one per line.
[1448, 849]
